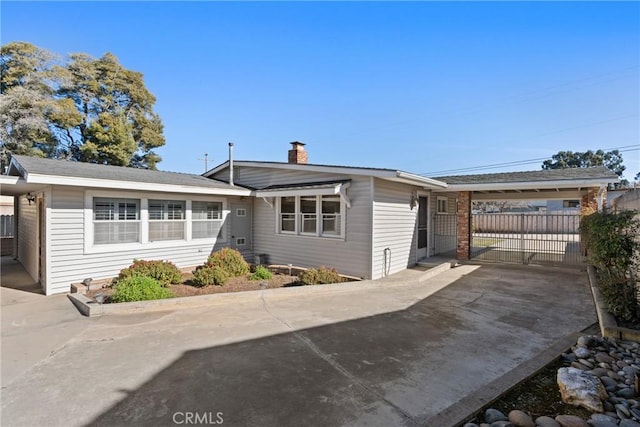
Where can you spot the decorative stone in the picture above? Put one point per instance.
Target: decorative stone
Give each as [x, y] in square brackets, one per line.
[547, 422]
[582, 353]
[626, 393]
[629, 423]
[521, 419]
[604, 358]
[599, 372]
[571, 421]
[470, 425]
[586, 341]
[621, 408]
[603, 423]
[502, 423]
[581, 388]
[586, 363]
[492, 415]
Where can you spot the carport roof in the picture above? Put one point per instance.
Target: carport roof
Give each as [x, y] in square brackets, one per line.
[540, 184]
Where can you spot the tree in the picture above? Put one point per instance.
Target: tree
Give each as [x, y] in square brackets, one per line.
[612, 160]
[86, 109]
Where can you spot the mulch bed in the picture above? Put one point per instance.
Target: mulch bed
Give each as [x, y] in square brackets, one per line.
[234, 284]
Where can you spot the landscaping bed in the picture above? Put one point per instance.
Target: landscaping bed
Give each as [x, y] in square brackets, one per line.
[234, 284]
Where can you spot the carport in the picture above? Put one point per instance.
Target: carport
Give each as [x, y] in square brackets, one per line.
[532, 237]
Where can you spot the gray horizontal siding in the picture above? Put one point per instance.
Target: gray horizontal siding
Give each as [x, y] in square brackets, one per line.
[28, 236]
[394, 223]
[349, 256]
[69, 262]
[257, 177]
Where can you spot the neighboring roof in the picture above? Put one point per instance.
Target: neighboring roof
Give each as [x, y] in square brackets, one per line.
[65, 172]
[595, 173]
[388, 174]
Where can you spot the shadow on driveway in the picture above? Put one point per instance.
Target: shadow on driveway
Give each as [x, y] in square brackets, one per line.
[398, 368]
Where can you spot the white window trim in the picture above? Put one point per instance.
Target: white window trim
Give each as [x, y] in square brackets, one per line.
[190, 220]
[143, 197]
[298, 219]
[446, 205]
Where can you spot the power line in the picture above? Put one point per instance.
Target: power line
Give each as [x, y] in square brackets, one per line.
[622, 149]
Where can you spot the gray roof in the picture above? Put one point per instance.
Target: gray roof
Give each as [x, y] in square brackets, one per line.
[67, 168]
[596, 172]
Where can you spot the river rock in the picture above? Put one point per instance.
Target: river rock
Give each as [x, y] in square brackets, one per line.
[545, 421]
[629, 423]
[571, 421]
[521, 419]
[604, 358]
[581, 388]
[582, 353]
[492, 415]
[586, 341]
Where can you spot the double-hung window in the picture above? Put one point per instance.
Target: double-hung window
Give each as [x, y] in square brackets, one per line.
[116, 221]
[314, 215]
[443, 205]
[166, 220]
[206, 219]
[287, 218]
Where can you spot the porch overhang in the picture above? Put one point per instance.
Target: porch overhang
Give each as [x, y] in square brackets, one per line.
[16, 185]
[307, 189]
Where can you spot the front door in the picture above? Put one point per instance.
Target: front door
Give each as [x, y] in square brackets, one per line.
[423, 220]
[241, 226]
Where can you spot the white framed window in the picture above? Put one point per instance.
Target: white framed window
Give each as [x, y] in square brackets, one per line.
[241, 212]
[206, 219]
[287, 215]
[116, 221]
[167, 220]
[442, 204]
[241, 241]
[313, 215]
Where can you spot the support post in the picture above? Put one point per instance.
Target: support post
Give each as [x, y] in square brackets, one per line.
[463, 244]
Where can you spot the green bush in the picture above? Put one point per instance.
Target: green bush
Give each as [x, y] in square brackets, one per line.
[139, 288]
[319, 276]
[164, 272]
[261, 273]
[206, 275]
[612, 242]
[230, 260]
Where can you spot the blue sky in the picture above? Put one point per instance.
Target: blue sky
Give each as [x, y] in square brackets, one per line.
[419, 86]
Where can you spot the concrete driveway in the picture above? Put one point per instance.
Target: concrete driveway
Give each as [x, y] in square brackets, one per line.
[398, 352]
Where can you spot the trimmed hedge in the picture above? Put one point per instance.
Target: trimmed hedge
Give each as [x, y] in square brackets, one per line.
[230, 260]
[206, 275]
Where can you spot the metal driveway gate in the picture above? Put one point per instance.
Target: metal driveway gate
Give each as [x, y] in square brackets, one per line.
[527, 238]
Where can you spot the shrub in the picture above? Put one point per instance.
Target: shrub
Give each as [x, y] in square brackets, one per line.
[230, 260]
[206, 275]
[612, 242]
[319, 276]
[261, 273]
[164, 272]
[139, 288]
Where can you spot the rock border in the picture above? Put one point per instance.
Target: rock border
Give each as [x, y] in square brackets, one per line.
[608, 325]
[91, 308]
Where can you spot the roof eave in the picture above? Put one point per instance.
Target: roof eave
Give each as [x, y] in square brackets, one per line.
[532, 185]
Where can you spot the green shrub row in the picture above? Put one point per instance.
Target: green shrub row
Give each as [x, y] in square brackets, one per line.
[139, 288]
[165, 272]
[319, 276]
[612, 242]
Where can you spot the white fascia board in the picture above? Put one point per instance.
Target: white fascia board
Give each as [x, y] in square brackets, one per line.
[532, 185]
[9, 180]
[128, 185]
[421, 180]
[326, 190]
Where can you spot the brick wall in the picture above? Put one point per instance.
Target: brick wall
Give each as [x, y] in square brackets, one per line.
[463, 246]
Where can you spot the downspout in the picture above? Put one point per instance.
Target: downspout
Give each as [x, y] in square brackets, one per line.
[231, 163]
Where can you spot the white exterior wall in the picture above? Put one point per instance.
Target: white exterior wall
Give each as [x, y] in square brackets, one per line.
[28, 236]
[395, 224]
[70, 262]
[349, 255]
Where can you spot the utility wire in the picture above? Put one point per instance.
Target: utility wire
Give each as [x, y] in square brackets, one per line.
[622, 149]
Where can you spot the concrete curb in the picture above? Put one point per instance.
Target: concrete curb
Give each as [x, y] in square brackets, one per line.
[608, 325]
[90, 308]
[468, 407]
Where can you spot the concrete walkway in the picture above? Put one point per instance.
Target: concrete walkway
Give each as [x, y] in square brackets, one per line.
[408, 353]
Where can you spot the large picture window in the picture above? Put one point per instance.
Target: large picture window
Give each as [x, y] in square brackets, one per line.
[116, 221]
[206, 219]
[166, 220]
[316, 215]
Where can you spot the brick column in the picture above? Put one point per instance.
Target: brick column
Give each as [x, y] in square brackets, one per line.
[463, 243]
[589, 202]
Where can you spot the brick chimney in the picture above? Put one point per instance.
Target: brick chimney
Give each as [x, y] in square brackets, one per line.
[297, 153]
